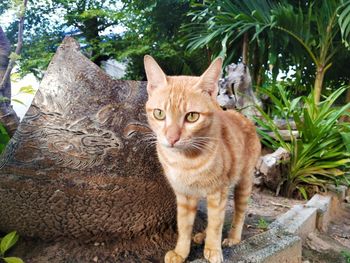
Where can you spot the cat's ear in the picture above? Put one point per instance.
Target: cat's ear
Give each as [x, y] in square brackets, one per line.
[155, 76]
[210, 78]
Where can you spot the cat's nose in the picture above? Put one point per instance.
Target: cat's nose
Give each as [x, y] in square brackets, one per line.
[173, 139]
[173, 134]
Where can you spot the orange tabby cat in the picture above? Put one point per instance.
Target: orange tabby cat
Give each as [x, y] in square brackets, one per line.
[203, 150]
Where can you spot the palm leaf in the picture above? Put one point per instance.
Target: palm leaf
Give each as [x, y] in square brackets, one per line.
[344, 22]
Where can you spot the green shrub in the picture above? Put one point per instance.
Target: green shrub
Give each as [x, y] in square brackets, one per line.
[321, 153]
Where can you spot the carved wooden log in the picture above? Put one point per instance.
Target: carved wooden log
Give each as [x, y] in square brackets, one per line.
[236, 91]
[79, 166]
[271, 168]
[8, 116]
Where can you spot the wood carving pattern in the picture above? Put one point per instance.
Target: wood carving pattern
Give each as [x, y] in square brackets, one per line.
[79, 144]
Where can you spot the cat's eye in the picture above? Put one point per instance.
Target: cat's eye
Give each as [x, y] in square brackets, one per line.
[159, 114]
[192, 116]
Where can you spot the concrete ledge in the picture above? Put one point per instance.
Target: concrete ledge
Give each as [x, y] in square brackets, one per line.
[340, 191]
[323, 205]
[283, 241]
[338, 194]
[300, 220]
[273, 246]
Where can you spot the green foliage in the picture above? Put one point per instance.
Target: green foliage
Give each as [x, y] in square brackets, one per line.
[18, 5]
[18, 101]
[12, 260]
[14, 57]
[6, 243]
[47, 22]
[37, 54]
[4, 99]
[321, 153]
[153, 27]
[15, 77]
[4, 138]
[148, 27]
[27, 89]
[344, 21]
[346, 255]
[4, 6]
[262, 224]
[273, 27]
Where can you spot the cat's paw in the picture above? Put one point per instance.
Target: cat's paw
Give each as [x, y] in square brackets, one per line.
[199, 238]
[213, 255]
[229, 242]
[172, 257]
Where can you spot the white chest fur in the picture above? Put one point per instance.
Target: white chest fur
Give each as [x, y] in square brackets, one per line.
[196, 176]
[186, 183]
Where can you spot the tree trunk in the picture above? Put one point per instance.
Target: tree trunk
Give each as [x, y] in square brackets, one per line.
[236, 91]
[256, 64]
[8, 116]
[347, 100]
[260, 78]
[318, 83]
[245, 49]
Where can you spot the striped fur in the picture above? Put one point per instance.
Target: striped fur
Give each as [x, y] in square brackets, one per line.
[203, 158]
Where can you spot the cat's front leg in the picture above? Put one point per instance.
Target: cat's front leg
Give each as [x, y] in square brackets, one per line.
[186, 212]
[216, 215]
[241, 196]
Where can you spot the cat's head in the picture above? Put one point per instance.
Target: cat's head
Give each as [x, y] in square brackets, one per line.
[180, 108]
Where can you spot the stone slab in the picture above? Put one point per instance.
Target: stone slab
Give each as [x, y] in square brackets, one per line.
[339, 190]
[299, 220]
[273, 246]
[323, 205]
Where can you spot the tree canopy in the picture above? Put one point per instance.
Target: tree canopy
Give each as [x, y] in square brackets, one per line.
[308, 35]
[185, 35]
[151, 27]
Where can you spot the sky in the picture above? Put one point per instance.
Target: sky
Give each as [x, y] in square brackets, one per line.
[26, 99]
[6, 18]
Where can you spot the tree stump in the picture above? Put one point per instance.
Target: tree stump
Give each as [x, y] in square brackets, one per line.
[79, 169]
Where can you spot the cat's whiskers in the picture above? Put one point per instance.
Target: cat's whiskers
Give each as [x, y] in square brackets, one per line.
[207, 138]
[150, 139]
[150, 145]
[197, 144]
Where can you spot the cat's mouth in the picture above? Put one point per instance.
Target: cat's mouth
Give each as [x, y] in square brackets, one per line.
[176, 147]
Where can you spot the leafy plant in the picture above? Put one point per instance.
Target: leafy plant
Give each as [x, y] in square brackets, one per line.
[4, 138]
[346, 255]
[320, 154]
[262, 224]
[317, 26]
[6, 243]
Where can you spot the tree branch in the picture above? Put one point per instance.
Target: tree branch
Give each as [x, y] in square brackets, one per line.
[12, 61]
